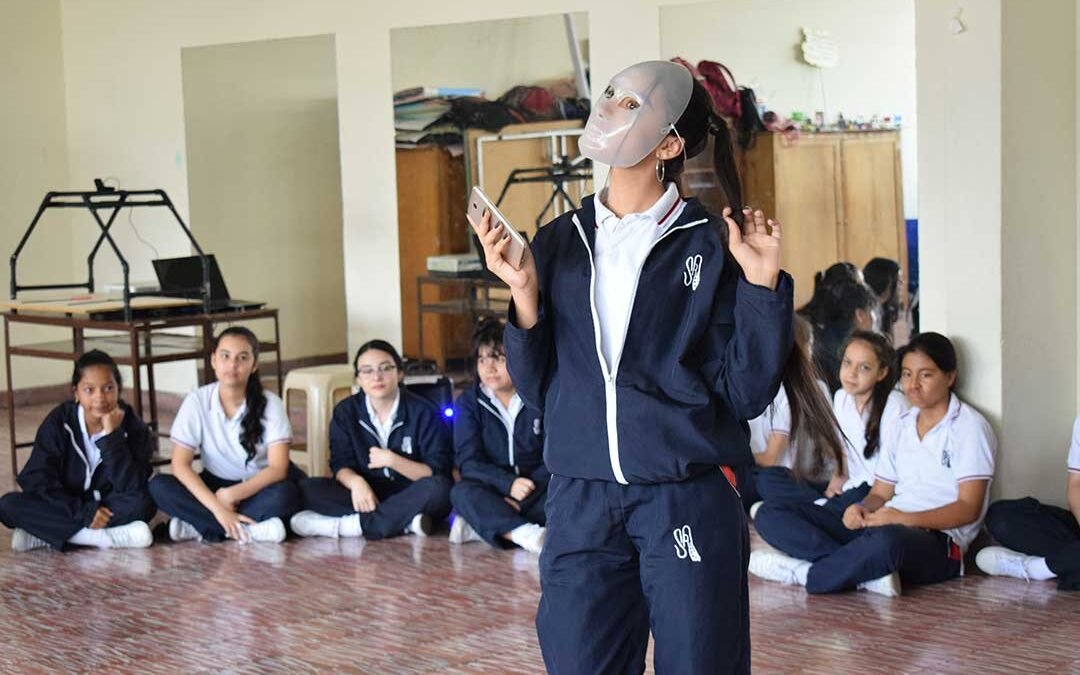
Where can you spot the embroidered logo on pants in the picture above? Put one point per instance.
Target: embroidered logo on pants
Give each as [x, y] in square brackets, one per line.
[684, 544]
[692, 276]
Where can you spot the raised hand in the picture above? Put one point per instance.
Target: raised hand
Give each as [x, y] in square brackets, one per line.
[756, 246]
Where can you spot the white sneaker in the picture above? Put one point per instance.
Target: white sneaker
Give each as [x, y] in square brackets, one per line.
[754, 508]
[888, 585]
[22, 541]
[133, 535]
[271, 530]
[421, 525]
[461, 532]
[1001, 561]
[312, 524]
[181, 530]
[773, 565]
[529, 537]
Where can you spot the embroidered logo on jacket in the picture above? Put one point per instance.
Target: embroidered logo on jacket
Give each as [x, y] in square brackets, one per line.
[406, 445]
[684, 544]
[536, 427]
[692, 275]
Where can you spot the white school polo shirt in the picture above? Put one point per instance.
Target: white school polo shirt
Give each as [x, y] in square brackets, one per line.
[853, 424]
[93, 452]
[777, 420]
[927, 473]
[201, 425]
[1074, 449]
[383, 429]
[622, 244]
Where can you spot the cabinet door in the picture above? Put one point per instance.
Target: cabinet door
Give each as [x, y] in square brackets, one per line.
[808, 206]
[873, 218]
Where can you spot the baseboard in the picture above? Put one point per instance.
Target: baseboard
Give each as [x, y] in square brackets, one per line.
[46, 393]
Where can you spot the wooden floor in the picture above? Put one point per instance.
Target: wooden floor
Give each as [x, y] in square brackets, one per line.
[415, 605]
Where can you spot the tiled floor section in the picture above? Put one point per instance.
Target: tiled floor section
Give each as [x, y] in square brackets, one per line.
[423, 606]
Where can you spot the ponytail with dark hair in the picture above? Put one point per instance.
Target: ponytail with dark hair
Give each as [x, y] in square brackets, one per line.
[886, 357]
[811, 410]
[936, 347]
[251, 427]
[96, 357]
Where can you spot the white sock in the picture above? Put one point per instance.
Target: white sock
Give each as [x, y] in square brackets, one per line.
[802, 571]
[87, 537]
[1037, 569]
[349, 526]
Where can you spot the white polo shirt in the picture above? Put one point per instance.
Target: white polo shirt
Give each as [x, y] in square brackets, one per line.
[853, 424]
[622, 244]
[93, 453]
[777, 420]
[1074, 449]
[383, 429]
[927, 473]
[201, 425]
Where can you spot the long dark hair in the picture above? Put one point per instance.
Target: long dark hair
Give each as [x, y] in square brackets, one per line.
[697, 123]
[92, 358]
[886, 357]
[251, 427]
[883, 275]
[936, 347]
[811, 410]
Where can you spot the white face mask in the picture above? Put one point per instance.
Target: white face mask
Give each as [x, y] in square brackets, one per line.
[637, 110]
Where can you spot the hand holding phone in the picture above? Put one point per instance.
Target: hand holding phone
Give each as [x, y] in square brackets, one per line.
[479, 203]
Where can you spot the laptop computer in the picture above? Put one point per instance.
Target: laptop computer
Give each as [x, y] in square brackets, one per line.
[182, 278]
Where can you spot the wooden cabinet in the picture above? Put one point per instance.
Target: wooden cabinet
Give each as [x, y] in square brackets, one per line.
[838, 196]
[431, 221]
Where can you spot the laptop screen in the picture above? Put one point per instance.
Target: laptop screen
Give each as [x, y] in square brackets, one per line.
[183, 277]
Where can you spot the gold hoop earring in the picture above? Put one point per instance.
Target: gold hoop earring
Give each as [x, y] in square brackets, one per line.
[661, 170]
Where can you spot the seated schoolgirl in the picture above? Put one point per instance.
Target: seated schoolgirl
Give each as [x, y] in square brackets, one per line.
[1042, 540]
[390, 457]
[796, 442]
[242, 434]
[867, 407]
[499, 447]
[85, 480]
[926, 506]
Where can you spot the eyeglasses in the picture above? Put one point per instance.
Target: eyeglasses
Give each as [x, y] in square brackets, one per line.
[487, 360]
[384, 368]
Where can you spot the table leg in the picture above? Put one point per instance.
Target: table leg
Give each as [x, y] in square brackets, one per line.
[10, 399]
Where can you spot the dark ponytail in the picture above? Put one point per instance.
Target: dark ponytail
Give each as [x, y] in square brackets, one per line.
[811, 410]
[251, 427]
[697, 124]
[936, 347]
[886, 357]
[96, 357]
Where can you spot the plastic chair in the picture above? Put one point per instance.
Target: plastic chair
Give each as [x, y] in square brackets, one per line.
[324, 387]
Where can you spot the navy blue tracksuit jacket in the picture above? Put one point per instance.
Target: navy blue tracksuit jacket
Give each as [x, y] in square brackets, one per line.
[418, 433]
[694, 365]
[486, 453]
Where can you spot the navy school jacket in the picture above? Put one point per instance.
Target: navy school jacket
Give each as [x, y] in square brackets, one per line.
[704, 351]
[486, 453]
[56, 469]
[418, 433]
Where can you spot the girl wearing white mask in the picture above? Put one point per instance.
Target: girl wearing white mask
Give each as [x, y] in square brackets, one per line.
[647, 329]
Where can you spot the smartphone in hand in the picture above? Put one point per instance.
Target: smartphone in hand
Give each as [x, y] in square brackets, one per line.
[478, 204]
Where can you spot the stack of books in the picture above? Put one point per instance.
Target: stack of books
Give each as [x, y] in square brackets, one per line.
[419, 114]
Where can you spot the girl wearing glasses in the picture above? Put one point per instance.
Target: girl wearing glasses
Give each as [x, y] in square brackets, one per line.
[499, 447]
[390, 457]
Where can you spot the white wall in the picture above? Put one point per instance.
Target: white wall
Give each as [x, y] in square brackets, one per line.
[491, 55]
[998, 221]
[759, 40]
[33, 161]
[264, 173]
[1039, 260]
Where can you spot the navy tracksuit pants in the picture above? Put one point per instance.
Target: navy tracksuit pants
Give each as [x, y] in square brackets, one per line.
[490, 515]
[429, 495]
[277, 500]
[55, 524]
[843, 559]
[1028, 526]
[619, 560]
